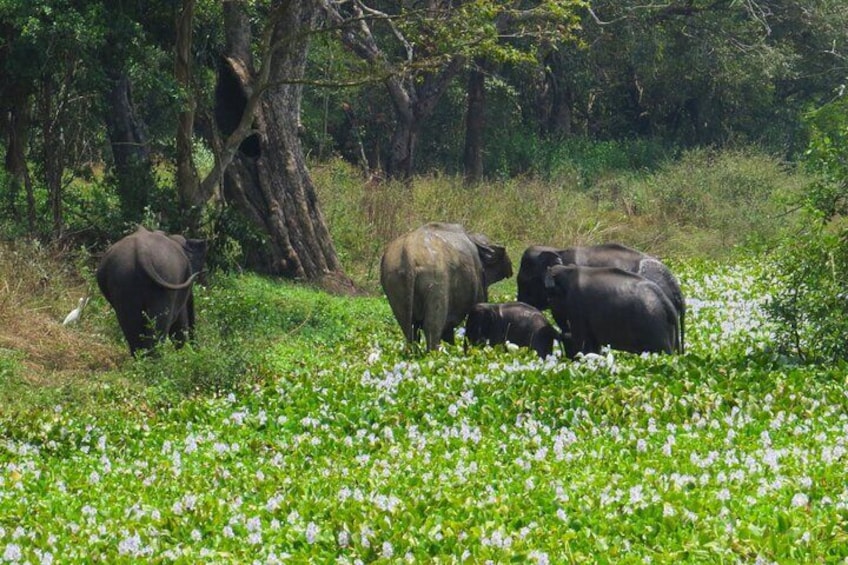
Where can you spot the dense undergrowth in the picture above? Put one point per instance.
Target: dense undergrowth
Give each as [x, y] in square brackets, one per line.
[300, 428]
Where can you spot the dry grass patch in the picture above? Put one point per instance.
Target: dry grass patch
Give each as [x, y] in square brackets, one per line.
[39, 287]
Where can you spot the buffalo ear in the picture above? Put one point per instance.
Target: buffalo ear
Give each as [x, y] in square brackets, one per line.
[492, 254]
[549, 259]
[496, 263]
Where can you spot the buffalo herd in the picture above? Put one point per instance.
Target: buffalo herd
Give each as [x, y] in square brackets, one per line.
[438, 275]
[435, 277]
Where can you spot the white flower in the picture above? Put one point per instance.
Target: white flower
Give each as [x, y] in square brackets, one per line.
[344, 538]
[800, 499]
[130, 545]
[273, 503]
[293, 517]
[540, 557]
[723, 495]
[94, 477]
[636, 494]
[196, 535]
[388, 550]
[12, 553]
[311, 532]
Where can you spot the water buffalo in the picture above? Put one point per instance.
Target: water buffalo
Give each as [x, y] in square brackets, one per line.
[147, 277]
[611, 306]
[537, 258]
[513, 322]
[433, 275]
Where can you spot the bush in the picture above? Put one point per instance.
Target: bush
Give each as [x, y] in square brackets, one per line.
[810, 295]
[810, 302]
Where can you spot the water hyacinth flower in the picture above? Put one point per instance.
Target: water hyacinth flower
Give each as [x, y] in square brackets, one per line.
[131, 546]
[311, 533]
[12, 553]
[343, 538]
[539, 557]
[800, 500]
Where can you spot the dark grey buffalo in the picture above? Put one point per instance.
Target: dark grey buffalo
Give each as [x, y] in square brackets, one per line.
[147, 277]
[433, 275]
[513, 322]
[537, 258]
[610, 306]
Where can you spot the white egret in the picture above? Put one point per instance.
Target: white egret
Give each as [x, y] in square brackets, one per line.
[75, 314]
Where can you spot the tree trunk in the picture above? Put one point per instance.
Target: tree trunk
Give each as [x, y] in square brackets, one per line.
[402, 148]
[53, 153]
[475, 122]
[559, 99]
[188, 183]
[133, 168]
[16, 124]
[268, 180]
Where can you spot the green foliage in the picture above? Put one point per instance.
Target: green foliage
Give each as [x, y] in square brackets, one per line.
[809, 278]
[706, 203]
[735, 195]
[810, 303]
[826, 158]
[10, 365]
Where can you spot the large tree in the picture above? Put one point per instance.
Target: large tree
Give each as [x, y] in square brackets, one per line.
[262, 160]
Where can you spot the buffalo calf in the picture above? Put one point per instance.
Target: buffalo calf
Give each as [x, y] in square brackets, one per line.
[514, 322]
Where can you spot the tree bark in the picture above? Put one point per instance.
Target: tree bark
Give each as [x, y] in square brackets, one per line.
[558, 97]
[188, 183]
[270, 183]
[15, 125]
[414, 94]
[130, 152]
[53, 152]
[475, 123]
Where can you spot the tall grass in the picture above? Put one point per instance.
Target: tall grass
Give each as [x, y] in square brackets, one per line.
[706, 204]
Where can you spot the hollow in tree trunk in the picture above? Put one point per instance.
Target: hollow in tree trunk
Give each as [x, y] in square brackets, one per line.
[268, 180]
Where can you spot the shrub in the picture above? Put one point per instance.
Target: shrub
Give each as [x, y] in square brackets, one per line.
[810, 294]
[811, 270]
